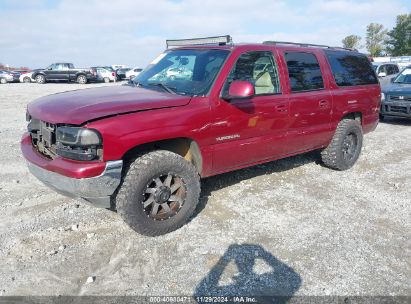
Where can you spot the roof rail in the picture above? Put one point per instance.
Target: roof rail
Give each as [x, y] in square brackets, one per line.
[308, 45]
[217, 40]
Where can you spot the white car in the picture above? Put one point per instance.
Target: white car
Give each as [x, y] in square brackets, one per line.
[5, 77]
[105, 75]
[133, 73]
[26, 77]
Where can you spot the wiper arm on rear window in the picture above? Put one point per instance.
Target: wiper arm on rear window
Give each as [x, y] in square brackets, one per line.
[164, 87]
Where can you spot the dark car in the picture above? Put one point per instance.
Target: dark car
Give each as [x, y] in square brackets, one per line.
[63, 71]
[121, 73]
[396, 96]
[143, 148]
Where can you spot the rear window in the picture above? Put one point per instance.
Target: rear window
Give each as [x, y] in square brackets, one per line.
[351, 69]
[304, 72]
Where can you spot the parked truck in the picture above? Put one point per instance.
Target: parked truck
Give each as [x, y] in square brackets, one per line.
[63, 71]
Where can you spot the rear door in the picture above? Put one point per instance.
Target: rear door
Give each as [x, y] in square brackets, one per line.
[310, 101]
[355, 87]
[254, 129]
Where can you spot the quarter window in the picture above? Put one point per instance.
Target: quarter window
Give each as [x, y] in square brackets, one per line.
[351, 69]
[258, 68]
[304, 71]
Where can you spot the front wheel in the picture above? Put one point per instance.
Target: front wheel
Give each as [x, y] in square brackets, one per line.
[345, 147]
[3, 80]
[106, 79]
[160, 192]
[27, 79]
[81, 79]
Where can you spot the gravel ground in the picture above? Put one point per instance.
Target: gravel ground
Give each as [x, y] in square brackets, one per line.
[290, 227]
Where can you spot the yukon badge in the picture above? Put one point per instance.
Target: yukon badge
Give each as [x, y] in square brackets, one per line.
[223, 138]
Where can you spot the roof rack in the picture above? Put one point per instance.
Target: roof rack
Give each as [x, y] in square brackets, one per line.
[217, 40]
[308, 45]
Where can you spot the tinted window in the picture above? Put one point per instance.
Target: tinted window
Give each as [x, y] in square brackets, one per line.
[258, 68]
[304, 71]
[392, 69]
[351, 69]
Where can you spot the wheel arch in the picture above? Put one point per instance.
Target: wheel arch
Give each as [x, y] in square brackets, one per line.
[354, 116]
[185, 147]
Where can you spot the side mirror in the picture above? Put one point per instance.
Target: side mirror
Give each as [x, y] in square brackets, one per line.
[382, 74]
[240, 89]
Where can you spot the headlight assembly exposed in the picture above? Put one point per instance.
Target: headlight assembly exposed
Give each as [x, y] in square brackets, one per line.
[78, 143]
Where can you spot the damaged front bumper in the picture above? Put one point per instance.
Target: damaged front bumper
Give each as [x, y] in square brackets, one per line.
[90, 181]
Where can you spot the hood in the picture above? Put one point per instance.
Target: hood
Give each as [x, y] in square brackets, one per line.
[397, 89]
[79, 106]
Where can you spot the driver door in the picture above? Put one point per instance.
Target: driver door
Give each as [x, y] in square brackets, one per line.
[251, 130]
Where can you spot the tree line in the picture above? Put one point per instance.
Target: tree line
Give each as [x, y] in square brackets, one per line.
[382, 42]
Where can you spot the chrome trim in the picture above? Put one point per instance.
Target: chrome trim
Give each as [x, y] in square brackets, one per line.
[95, 190]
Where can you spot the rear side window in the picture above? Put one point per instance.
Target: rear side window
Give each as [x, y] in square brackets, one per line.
[351, 69]
[304, 71]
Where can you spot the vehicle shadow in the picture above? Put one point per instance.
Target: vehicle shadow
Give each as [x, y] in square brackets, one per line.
[251, 271]
[396, 121]
[214, 183]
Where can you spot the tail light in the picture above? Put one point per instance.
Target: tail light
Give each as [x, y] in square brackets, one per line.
[113, 74]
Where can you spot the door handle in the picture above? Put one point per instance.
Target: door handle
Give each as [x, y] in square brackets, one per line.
[323, 104]
[282, 108]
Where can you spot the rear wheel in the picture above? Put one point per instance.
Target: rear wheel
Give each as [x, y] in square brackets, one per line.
[159, 193]
[40, 79]
[27, 79]
[81, 79]
[345, 147]
[106, 79]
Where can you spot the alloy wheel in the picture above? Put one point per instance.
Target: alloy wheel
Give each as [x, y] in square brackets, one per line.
[164, 196]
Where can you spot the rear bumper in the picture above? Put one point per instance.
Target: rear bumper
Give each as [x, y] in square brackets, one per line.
[91, 181]
[393, 108]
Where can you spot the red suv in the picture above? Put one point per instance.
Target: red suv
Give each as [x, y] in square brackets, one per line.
[143, 148]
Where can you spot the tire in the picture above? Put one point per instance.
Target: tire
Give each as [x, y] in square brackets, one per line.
[40, 79]
[26, 79]
[345, 147]
[382, 117]
[81, 79]
[106, 79]
[145, 186]
[3, 80]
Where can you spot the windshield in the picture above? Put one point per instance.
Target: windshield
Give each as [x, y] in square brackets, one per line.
[186, 72]
[404, 76]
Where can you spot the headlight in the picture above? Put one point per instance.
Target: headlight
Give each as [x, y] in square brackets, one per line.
[78, 143]
[382, 96]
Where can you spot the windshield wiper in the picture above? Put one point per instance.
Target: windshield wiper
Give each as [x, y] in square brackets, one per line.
[164, 87]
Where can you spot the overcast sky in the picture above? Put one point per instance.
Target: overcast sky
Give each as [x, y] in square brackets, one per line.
[35, 33]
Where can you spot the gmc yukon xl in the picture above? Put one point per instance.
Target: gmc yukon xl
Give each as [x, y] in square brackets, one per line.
[143, 148]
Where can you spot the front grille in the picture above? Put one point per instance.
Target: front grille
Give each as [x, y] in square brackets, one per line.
[398, 109]
[399, 98]
[43, 137]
